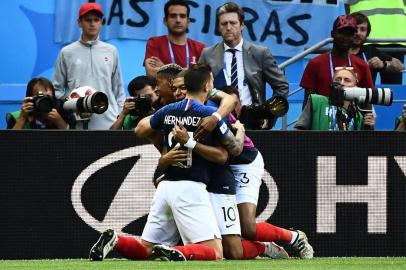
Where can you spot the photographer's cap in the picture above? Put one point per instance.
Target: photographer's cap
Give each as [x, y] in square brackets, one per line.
[345, 21]
[86, 8]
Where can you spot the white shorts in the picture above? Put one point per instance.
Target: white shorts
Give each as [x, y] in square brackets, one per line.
[249, 179]
[226, 212]
[180, 207]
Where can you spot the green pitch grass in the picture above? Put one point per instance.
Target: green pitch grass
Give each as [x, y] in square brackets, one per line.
[265, 264]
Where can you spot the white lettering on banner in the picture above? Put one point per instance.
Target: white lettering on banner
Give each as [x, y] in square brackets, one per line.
[401, 161]
[329, 194]
[133, 199]
[187, 120]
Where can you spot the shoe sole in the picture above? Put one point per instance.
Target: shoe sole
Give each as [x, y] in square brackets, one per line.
[166, 254]
[279, 252]
[98, 251]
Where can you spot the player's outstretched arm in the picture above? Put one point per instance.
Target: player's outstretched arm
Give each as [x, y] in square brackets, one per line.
[233, 145]
[227, 105]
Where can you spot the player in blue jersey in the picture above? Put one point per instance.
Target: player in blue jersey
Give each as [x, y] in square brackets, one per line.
[222, 190]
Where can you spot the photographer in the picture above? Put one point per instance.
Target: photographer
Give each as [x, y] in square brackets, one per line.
[400, 122]
[138, 105]
[334, 113]
[40, 109]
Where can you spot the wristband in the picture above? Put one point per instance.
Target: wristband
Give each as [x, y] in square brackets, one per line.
[191, 143]
[217, 115]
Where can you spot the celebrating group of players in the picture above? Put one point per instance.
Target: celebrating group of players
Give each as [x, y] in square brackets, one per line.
[207, 197]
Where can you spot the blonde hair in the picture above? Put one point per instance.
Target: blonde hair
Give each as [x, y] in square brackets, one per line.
[350, 70]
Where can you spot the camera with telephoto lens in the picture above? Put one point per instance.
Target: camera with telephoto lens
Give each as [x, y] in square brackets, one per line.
[254, 115]
[377, 96]
[94, 103]
[143, 106]
[43, 103]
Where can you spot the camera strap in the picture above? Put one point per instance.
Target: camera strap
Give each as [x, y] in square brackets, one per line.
[338, 117]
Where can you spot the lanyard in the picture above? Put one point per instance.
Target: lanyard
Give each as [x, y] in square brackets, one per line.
[332, 67]
[364, 56]
[173, 56]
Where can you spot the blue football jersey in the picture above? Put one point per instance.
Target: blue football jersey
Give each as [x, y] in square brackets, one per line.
[188, 112]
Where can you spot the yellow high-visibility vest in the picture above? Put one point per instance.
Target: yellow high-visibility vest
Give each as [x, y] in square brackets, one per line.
[387, 17]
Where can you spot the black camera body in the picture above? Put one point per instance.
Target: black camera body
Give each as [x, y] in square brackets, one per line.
[43, 103]
[254, 115]
[143, 106]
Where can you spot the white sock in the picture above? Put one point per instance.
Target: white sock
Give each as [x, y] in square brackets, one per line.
[295, 235]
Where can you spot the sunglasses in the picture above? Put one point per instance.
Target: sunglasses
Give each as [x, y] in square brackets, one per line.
[343, 68]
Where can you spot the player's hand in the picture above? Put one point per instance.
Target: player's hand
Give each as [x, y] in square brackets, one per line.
[205, 127]
[180, 134]
[174, 157]
[239, 125]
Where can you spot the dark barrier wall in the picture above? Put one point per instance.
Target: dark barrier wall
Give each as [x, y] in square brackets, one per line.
[60, 188]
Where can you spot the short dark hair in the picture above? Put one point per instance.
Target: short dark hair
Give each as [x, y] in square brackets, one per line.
[42, 81]
[176, 3]
[169, 71]
[196, 77]
[361, 18]
[230, 7]
[139, 83]
[230, 90]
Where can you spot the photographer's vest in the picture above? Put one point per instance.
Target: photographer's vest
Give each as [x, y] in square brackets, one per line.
[398, 120]
[322, 119]
[387, 17]
[14, 116]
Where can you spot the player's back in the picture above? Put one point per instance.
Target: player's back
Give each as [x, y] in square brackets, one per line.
[187, 112]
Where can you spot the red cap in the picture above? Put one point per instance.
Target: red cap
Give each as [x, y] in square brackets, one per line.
[345, 21]
[86, 8]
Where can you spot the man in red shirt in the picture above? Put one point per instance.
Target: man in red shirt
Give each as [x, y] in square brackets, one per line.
[319, 71]
[174, 47]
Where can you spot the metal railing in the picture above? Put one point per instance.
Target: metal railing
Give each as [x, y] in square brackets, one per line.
[314, 49]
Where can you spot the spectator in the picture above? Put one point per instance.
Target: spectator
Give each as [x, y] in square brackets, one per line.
[319, 71]
[377, 61]
[31, 117]
[142, 92]
[174, 47]
[92, 62]
[226, 61]
[388, 20]
[333, 113]
[400, 123]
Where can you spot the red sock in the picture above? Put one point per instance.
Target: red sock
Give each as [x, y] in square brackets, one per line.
[131, 248]
[197, 252]
[267, 232]
[252, 249]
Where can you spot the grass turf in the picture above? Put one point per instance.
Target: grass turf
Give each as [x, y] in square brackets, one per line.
[358, 263]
